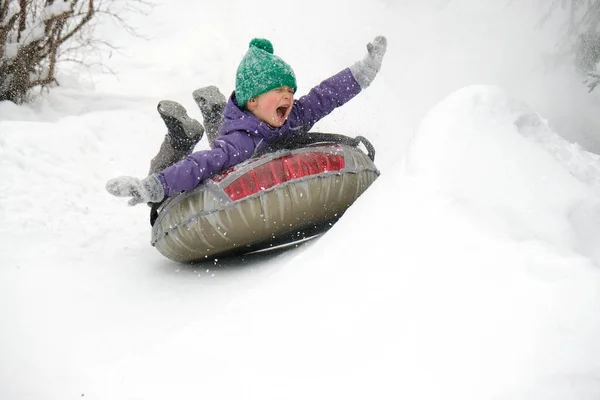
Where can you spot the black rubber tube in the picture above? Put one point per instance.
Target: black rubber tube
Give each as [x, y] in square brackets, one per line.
[318, 137]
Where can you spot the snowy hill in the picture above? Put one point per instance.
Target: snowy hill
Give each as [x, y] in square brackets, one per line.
[470, 269]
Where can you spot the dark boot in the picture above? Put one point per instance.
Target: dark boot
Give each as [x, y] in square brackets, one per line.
[212, 104]
[183, 133]
[166, 157]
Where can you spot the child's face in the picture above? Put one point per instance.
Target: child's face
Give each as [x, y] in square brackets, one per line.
[274, 106]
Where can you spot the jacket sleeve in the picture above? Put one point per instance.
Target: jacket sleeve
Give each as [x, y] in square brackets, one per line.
[228, 151]
[323, 99]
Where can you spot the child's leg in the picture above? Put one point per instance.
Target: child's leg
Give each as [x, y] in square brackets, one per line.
[212, 104]
[166, 157]
[183, 133]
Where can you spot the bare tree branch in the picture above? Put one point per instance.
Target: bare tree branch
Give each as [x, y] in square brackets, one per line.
[22, 16]
[37, 35]
[84, 21]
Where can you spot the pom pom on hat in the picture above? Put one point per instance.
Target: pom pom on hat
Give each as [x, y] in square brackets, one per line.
[260, 71]
[262, 44]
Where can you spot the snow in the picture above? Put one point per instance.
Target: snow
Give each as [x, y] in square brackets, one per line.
[470, 268]
[11, 50]
[55, 9]
[12, 9]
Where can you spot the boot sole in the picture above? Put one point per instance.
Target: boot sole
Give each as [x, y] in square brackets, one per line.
[207, 96]
[171, 109]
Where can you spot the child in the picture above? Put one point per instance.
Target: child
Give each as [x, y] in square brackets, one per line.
[261, 110]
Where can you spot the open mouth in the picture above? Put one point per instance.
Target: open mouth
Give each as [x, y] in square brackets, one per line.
[282, 111]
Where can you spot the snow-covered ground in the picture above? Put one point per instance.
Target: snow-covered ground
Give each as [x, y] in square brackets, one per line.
[469, 270]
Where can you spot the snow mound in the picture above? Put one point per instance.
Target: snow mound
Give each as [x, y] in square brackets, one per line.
[503, 164]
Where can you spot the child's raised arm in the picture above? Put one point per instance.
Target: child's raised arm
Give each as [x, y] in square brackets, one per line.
[365, 70]
[340, 88]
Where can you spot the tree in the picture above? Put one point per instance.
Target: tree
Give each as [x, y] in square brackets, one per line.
[37, 35]
[582, 33]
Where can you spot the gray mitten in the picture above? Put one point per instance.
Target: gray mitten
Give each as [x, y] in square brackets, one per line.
[147, 190]
[364, 71]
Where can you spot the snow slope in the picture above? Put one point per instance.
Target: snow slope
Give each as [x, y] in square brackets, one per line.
[468, 270]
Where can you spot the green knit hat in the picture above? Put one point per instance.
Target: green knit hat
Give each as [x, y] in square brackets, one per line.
[260, 71]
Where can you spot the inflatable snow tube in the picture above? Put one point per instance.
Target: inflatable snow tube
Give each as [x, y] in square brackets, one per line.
[269, 200]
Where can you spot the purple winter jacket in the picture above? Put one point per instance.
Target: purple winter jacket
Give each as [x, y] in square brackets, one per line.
[242, 134]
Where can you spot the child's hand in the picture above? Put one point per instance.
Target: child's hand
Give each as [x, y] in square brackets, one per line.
[147, 190]
[364, 71]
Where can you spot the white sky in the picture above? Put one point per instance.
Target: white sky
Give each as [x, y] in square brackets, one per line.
[468, 270]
